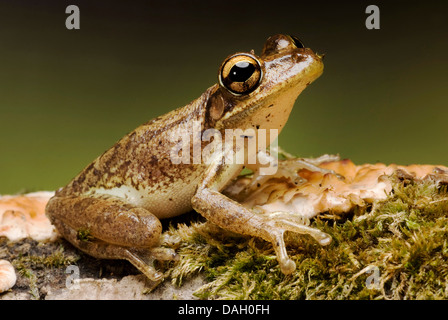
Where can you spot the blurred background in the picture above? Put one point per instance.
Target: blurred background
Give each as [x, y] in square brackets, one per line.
[67, 95]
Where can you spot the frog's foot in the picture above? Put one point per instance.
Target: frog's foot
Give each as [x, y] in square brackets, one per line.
[281, 222]
[143, 260]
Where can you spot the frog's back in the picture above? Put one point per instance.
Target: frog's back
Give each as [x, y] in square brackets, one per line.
[139, 168]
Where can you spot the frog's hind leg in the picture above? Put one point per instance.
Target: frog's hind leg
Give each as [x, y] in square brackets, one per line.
[110, 228]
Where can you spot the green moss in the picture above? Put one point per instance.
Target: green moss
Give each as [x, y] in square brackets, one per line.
[26, 272]
[56, 259]
[30, 266]
[84, 235]
[404, 237]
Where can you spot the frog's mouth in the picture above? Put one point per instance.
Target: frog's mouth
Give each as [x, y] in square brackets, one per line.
[296, 69]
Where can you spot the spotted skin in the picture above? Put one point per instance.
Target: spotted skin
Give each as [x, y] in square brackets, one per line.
[112, 208]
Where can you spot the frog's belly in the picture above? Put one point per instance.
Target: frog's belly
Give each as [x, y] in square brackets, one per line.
[163, 204]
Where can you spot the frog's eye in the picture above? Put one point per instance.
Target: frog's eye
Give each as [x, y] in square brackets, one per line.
[240, 74]
[299, 44]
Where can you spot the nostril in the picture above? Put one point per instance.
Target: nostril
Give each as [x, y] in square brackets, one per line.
[299, 44]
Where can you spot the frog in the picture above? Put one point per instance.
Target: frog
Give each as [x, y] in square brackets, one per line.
[113, 208]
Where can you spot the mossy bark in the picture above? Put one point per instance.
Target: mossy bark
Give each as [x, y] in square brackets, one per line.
[393, 249]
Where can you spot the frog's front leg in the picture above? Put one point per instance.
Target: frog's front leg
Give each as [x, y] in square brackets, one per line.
[108, 227]
[230, 215]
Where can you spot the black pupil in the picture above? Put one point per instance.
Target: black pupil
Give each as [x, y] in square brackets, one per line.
[241, 71]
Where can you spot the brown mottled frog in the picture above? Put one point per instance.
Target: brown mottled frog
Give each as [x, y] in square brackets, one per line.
[112, 208]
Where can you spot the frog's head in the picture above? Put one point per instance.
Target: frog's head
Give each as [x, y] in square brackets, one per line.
[260, 91]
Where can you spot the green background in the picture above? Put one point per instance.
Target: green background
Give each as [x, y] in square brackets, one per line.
[68, 95]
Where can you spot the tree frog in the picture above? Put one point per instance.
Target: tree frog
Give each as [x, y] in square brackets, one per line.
[111, 209]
